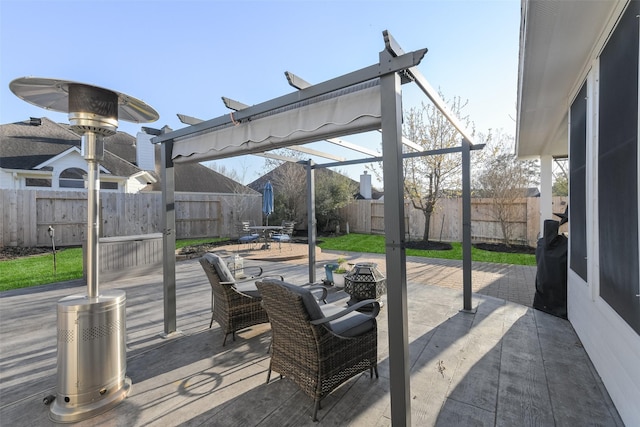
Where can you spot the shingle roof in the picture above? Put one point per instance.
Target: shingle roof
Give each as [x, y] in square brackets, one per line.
[25, 146]
[201, 179]
[259, 183]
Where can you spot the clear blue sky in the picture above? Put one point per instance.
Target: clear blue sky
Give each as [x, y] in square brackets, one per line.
[182, 56]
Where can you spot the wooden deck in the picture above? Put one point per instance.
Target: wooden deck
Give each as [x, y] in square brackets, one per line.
[505, 365]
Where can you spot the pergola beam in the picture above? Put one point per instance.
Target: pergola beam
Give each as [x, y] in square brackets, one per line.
[232, 104]
[276, 157]
[295, 81]
[394, 49]
[435, 152]
[354, 147]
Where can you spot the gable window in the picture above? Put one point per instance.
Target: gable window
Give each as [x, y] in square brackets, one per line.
[72, 178]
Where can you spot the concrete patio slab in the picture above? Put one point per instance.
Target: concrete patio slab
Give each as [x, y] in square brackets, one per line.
[507, 364]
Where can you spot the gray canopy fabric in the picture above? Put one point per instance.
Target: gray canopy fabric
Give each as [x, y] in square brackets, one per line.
[342, 114]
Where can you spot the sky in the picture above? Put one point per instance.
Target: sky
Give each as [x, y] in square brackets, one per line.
[183, 56]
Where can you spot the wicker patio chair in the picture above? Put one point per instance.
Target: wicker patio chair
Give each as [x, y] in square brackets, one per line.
[318, 347]
[235, 305]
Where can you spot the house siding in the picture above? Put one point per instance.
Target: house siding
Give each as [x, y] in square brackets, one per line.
[609, 334]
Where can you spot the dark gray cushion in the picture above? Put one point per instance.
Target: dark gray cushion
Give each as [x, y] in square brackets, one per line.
[350, 325]
[248, 288]
[220, 266]
[308, 299]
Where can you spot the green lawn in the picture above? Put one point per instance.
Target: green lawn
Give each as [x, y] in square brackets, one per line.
[375, 244]
[38, 269]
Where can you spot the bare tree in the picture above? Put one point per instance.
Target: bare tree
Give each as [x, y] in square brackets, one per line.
[290, 199]
[506, 179]
[560, 177]
[426, 178]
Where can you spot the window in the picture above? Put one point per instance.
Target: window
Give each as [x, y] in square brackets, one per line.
[37, 182]
[618, 169]
[105, 185]
[72, 178]
[577, 182]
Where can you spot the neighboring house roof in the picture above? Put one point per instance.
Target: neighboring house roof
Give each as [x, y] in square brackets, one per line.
[25, 145]
[259, 183]
[28, 144]
[197, 178]
[375, 195]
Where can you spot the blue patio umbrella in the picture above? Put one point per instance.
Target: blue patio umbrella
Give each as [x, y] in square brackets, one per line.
[267, 200]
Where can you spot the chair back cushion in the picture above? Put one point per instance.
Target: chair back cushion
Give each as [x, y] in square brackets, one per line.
[308, 299]
[220, 266]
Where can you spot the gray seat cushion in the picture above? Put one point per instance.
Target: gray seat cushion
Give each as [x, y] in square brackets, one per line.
[248, 288]
[351, 324]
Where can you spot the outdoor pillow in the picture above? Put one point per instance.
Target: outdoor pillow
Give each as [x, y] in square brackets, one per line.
[308, 299]
[220, 266]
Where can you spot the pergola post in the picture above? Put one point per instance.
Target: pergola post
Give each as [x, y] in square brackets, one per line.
[391, 101]
[167, 178]
[311, 219]
[466, 225]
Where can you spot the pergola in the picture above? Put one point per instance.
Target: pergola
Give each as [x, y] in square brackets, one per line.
[361, 101]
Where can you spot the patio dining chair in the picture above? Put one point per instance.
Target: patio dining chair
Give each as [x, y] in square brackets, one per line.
[235, 305]
[318, 347]
[246, 234]
[285, 234]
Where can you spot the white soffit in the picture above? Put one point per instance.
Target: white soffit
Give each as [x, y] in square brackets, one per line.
[558, 41]
[353, 112]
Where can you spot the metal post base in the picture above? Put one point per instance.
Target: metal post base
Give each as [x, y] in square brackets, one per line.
[62, 413]
[92, 357]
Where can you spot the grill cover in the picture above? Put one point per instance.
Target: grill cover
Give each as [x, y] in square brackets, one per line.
[551, 276]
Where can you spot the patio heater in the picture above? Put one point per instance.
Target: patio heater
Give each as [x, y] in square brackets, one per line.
[91, 329]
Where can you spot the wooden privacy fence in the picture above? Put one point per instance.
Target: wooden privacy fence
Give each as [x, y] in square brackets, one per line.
[27, 214]
[367, 217]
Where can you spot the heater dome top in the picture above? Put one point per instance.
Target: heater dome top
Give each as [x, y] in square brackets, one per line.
[53, 94]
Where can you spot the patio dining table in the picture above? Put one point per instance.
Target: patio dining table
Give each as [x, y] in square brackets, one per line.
[264, 229]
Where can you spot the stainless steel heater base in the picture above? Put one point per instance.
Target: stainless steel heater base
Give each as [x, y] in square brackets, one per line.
[92, 359]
